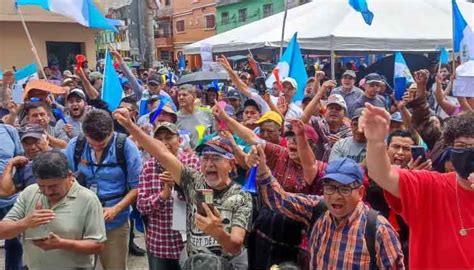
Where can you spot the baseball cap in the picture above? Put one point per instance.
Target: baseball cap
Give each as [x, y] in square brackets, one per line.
[233, 94]
[124, 81]
[345, 171]
[270, 116]
[95, 75]
[244, 74]
[308, 131]
[373, 77]
[220, 146]
[31, 131]
[77, 92]
[338, 100]
[251, 102]
[156, 79]
[396, 117]
[168, 126]
[67, 81]
[357, 113]
[349, 73]
[290, 81]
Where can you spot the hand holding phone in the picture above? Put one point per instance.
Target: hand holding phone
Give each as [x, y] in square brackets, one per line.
[418, 151]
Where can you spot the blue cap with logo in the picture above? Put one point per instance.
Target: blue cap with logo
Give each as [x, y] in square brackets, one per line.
[345, 171]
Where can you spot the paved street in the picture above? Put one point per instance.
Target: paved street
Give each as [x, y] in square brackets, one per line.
[134, 262]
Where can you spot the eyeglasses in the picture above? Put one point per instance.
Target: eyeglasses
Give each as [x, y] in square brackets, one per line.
[343, 190]
[212, 159]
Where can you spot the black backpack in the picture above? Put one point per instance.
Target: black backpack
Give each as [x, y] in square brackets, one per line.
[370, 229]
[119, 152]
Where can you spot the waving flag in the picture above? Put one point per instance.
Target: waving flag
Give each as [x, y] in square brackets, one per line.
[362, 7]
[463, 36]
[443, 56]
[182, 62]
[401, 76]
[291, 65]
[112, 90]
[81, 11]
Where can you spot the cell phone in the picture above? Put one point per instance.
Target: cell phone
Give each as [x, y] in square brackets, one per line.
[260, 85]
[204, 196]
[417, 151]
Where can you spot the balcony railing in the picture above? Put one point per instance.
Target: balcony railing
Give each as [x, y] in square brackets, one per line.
[163, 42]
[227, 2]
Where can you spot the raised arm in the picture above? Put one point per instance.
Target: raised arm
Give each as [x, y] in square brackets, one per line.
[136, 87]
[7, 185]
[91, 92]
[375, 123]
[307, 158]
[298, 207]
[447, 106]
[243, 88]
[235, 127]
[314, 104]
[156, 148]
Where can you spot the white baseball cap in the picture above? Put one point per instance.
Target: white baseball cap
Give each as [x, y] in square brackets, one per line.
[290, 81]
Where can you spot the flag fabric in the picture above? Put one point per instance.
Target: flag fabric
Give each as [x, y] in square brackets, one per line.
[182, 62]
[401, 76]
[81, 11]
[443, 56]
[25, 73]
[112, 90]
[291, 65]
[463, 36]
[1, 75]
[362, 7]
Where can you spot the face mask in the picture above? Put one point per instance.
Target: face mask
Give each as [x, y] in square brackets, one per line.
[463, 161]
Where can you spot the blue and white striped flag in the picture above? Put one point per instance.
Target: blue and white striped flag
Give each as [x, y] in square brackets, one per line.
[463, 36]
[401, 76]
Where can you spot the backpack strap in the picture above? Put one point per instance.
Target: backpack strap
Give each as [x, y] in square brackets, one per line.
[120, 152]
[78, 150]
[370, 234]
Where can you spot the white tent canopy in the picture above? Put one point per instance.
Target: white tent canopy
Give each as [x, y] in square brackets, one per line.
[398, 25]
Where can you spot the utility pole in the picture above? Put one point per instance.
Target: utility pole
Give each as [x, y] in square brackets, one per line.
[149, 7]
[283, 28]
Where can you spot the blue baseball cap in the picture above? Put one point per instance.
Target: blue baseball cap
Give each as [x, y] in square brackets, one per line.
[396, 117]
[345, 171]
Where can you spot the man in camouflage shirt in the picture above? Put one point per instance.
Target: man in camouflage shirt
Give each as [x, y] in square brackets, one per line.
[216, 228]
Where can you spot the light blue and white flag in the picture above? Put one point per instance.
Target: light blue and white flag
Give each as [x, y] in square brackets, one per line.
[362, 7]
[401, 76]
[81, 11]
[463, 36]
[22, 76]
[112, 90]
[291, 65]
[443, 56]
[1, 75]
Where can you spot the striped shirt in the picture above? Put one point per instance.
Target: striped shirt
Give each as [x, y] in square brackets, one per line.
[332, 245]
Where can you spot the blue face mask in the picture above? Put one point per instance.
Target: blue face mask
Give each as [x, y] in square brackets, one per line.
[463, 161]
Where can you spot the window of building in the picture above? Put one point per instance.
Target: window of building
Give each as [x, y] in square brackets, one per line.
[167, 2]
[267, 10]
[224, 18]
[165, 55]
[242, 15]
[180, 26]
[210, 21]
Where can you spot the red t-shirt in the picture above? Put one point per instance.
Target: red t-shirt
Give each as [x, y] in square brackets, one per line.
[428, 205]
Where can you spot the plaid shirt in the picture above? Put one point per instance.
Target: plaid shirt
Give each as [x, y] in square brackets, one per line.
[289, 173]
[336, 246]
[161, 240]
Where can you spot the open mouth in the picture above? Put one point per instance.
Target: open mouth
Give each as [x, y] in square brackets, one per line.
[397, 161]
[211, 173]
[337, 206]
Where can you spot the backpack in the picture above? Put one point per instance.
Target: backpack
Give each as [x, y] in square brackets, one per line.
[370, 230]
[206, 261]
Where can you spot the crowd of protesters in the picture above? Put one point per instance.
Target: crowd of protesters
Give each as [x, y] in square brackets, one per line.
[350, 179]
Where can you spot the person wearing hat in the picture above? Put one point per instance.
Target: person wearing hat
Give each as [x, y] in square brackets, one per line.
[252, 112]
[219, 229]
[353, 147]
[168, 114]
[39, 113]
[155, 201]
[96, 78]
[235, 100]
[373, 82]
[69, 82]
[348, 90]
[34, 141]
[340, 215]
[270, 126]
[331, 126]
[76, 104]
[243, 85]
[290, 86]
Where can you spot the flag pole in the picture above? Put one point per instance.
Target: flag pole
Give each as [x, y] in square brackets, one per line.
[33, 48]
[283, 28]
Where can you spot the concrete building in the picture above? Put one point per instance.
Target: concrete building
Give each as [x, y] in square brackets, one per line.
[182, 22]
[54, 36]
[231, 14]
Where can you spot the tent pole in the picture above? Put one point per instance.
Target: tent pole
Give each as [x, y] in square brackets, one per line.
[283, 28]
[333, 60]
